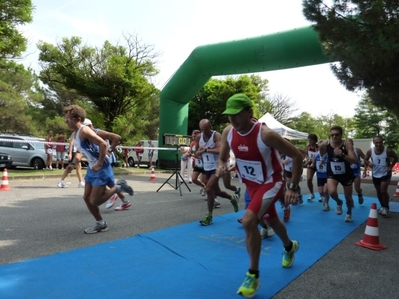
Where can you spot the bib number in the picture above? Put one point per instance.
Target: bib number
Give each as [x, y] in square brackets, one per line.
[250, 170]
[338, 167]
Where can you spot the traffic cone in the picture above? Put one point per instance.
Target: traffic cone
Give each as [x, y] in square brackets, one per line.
[152, 177]
[4, 181]
[397, 190]
[371, 239]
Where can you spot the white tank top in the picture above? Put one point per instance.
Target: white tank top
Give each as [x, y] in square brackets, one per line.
[209, 160]
[89, 150]
[380, 163]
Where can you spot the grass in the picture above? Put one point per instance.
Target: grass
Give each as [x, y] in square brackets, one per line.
[26, 172]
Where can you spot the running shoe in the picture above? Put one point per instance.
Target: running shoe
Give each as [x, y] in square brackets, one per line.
[311, 197]
[249, 287]
[289, 257]
[239, 220]
[216, 204]
[287, 214]
[321, 199]
[207, 220]
[238, 192]
[98, 227]
[348, 218]
[123, 186]
[338, 209]
[384, 212]
[81, 185]
[300, 199]
[360, 199]
[202, 192]
[111, 201]
[266, 232]
[123, 206]
[234, 201]
[62, 184]
[326, 207]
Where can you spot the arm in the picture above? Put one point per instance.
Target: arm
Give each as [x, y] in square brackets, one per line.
[224, 153]
[88, 134]
[113, 138]
[274, 140]
[218, 144]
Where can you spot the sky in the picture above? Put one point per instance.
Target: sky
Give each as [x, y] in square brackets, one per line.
[176, 27]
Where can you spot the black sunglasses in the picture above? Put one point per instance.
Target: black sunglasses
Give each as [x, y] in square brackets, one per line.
[334, 135]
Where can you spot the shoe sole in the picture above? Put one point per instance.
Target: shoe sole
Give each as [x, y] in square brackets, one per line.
[96, 231]
[122, 209]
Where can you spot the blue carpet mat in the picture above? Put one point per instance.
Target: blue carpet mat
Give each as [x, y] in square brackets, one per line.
[187, 261]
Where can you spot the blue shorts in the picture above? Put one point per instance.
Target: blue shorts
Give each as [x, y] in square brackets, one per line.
[356, 172]
[103, 177]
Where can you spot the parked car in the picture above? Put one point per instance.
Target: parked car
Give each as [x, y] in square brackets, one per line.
[5, 161]
[132, 160]
[26, 151]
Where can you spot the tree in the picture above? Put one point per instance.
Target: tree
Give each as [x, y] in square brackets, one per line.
[13, 13]
[371, 120]
[210, 102]
[282, 108]
[362, 37]
[114, 78]
[368, 118]
[18, 92]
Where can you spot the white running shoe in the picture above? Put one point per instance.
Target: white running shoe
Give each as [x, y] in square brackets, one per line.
[81, 185]
[62, 184]
[348, 218]
[111, 201]
[202, 192]
[311, 197]
[266, 232]
[384, 212]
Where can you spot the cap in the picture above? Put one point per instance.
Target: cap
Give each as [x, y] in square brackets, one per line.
[236, 103]
[87, 122]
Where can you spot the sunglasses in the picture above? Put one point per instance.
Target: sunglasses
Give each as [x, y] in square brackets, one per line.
[334, 135]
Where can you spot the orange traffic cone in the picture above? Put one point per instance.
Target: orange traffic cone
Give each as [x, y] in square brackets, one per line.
[397, 190]
[152, 177]
[4, 181]
[371, 239]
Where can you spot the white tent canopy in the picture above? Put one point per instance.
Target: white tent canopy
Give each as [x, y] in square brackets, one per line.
[284, 131]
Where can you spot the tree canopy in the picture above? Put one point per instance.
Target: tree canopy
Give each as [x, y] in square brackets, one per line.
[362, 36]
[13, 13]
[114, 78]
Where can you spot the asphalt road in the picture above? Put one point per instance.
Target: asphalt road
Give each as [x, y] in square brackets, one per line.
[37, 219]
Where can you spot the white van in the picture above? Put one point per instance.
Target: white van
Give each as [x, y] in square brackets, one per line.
[144, 161]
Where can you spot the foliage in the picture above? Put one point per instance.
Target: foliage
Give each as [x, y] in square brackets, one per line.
[210, 102]
[13, 13]
[371, 120]
[113, 78]
[362, 36]
[17, 94]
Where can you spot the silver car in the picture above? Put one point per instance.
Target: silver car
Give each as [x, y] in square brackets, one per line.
[25, 151]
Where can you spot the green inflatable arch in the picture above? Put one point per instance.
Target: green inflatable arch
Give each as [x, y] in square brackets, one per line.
[283, 50]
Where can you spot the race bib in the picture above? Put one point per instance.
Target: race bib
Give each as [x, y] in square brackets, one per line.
[250, 170]
[321, 167]
[311, 155]
[338, 167]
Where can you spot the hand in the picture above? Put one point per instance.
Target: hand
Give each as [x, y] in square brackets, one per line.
[290, 197]
[96, 167]
[221, 170]
[337, 151]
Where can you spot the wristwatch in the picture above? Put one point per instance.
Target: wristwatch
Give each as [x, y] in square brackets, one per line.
[293, 187]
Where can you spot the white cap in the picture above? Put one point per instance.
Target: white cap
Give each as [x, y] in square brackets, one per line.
[87, 122]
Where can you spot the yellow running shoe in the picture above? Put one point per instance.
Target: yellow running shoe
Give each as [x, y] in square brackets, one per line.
[249, 287]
